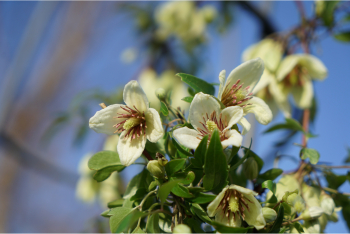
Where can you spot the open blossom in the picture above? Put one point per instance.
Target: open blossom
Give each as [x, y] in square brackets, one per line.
[237, 91]
[205, 117]
[295, 75]
[235, 203]
[135, 121]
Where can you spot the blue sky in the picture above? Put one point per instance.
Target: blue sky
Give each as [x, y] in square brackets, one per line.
[100, 67]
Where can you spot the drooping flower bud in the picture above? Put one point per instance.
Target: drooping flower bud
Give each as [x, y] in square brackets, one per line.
[156, 169]
[327, 204]
[251, 168]
[297, 202]
[312, 212]
[161, 94]
[269, 214]
[182, 228]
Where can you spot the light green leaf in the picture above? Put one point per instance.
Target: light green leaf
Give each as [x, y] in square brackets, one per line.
[164, 109]
[278, 222]
[153, 224]
[116, 203]
[202, 198]
[197, 84]
[199, 154]
[271, 174]
[312, 154]
[226, 229]
[122, 218]
[188, 99]
[104, 173]
[166, 188]
[269, 185]
[105, 162]
[182, 150]
[181, 191]
[141, 180]
[174, 166]
[198, 210]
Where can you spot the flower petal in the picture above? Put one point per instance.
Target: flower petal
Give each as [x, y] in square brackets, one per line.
[202, 105]
[231, 115]
[234, 138]
[103, 120]
[242, 190]
[259, 108]
[249, 73]
[314, 66]
[266, 78]
[130, 150]
[303, 95]
[187, 137]
[280, 98]
[245, 125]
[134, 96]
[286, 66]
[154, 129]
[254, 216]
[222, 78]
[212, 207]
[221, 217]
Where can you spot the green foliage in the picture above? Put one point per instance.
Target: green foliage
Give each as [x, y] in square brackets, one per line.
[290, 124]
[343, 36]
[182, 152]
[166, 188]
[278, 222]
[104, 163]
[197, 84]
[164, 109]
[271, 175]
[311, 154]
[188, 99]
[122, 218]
[199, 154]
[174, 166]
[215, 167]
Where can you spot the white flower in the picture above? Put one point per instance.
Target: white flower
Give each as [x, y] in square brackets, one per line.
[167, 80]
[296, 73]
[135, 121]
[237, 91]
[234, 203]
[205, 117]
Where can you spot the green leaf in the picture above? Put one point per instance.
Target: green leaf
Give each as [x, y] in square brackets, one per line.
[236, 165]
[215, 167]
[335, 181]
[116, 203]
[181, 191]
[278, 222]
[164, 109]
[312, 154]
[188, 99]
[258, 160]
[105, 159]
[174, 166]
[198, 210]
[122, 218]
[182, 150]
[343, 36]
[191, 92]
[104, 173]
[105, 214]
[298, 227]
[197, 84]
[153, 224]
[195, 224]
[199, 154]
[226, 229]
[328, 12]
[138, 230]
[269, 185]
[202, 198]
[142, 180]
[166, 188]
[291, 124]
[222, 106]
[271, 174]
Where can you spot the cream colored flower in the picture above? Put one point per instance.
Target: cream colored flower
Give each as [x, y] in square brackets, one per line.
[205, 117]
[237, 91]
[235, 203]
[183, 20]
[296, 73]
[135, 121]
[150, 82]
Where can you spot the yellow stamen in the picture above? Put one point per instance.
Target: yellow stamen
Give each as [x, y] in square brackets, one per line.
[233, 204]
[130, 123]
[211, 125]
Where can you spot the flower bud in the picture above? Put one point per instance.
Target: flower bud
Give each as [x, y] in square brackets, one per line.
[312, 212]
[161, 159]
[209, 13]
[182, 228]
[269, 214]
[156, 169]
[161, 94]
[250, 168]
[327, 204]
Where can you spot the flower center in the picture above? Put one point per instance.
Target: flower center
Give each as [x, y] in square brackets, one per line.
[236, 95]
[130, 123]
[211, 125]
[133, 121]
[212, 122]
[295, 77]
[233, 204]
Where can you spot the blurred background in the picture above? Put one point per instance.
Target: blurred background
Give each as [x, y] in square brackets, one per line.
[59, 60]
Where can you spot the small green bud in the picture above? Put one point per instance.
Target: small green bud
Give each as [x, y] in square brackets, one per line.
[182, 228]
[155, 168]
[250, 168]
[161, 159]
[312, 212]
[161, 94]
[269, 214]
